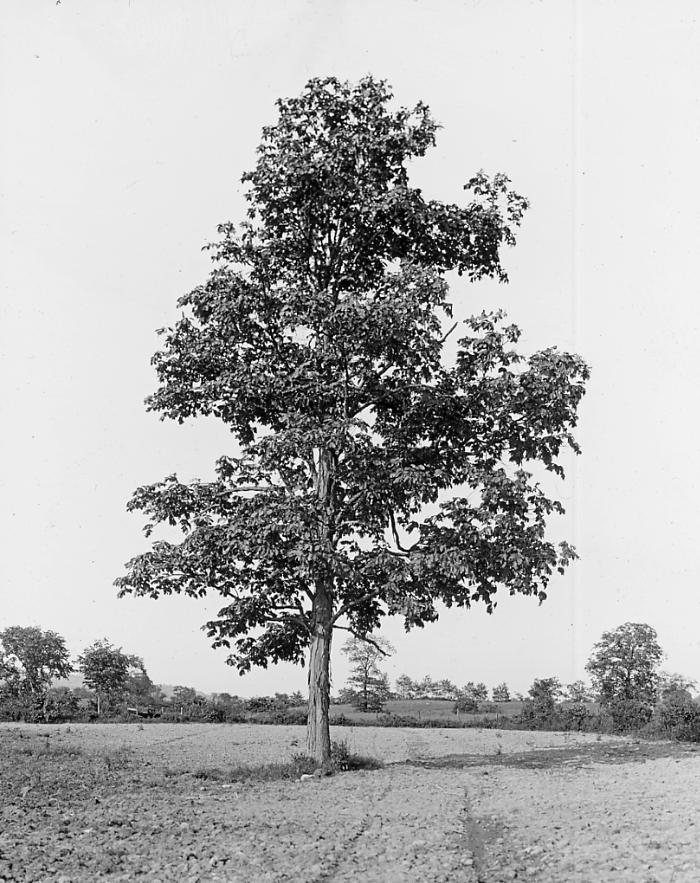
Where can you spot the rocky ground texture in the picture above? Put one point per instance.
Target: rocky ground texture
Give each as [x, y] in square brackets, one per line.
[155, 802]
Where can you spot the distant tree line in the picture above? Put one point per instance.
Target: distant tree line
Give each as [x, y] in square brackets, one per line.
[31, 659]
[628, 690]
[116, 686]
[428, 688]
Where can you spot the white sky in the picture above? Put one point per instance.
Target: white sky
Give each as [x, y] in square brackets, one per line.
[126, 125]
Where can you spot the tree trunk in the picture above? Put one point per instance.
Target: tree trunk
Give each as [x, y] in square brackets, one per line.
[318, 735]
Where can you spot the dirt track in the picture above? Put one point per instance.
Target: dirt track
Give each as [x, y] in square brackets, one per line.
[123, 803]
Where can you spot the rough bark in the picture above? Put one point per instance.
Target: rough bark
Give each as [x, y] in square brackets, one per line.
[318, 736]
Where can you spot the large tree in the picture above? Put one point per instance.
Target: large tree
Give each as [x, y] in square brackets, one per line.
[318, 338]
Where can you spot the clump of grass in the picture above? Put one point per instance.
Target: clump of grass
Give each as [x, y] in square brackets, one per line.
[345, 760]
[55, 752]
[342, 760]
[299, 765]
[118, 759]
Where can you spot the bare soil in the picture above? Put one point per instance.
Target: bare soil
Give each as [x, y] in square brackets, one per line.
[128, 802]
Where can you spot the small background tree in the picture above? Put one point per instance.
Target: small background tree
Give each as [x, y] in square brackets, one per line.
[501, 693]
[576, 711]
[228, 708]
[624, 670]
[427, 688]
[446, 689]
[367, 686]
[540, 706]
[481, 692]
[188, 703]
[466, 703]
[30, 659]
[578, 693]
[61, 704]
[672, 682]
[470, 697]
[406, 688]
[473, 694]
[140, 690]
[105, 669]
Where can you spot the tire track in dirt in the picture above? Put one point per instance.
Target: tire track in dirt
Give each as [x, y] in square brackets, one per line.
[332, 871]
[411, 831]
[626, 815]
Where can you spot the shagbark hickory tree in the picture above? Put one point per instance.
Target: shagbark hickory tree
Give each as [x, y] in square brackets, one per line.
[318, 338]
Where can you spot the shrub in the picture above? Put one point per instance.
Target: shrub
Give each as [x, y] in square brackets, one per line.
[17, 705]
[466, 703]
[267, 772]
[61, 705]
[344, 760]
[289, 717]
[341, 720]
[629, 714]
[678, 716]
[260, 703]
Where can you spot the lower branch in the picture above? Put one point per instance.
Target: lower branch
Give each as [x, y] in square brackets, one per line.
[364, 638]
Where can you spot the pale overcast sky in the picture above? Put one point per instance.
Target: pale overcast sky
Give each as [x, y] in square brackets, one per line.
[126, 125]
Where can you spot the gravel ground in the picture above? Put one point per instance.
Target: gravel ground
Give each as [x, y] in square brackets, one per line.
[117, 802]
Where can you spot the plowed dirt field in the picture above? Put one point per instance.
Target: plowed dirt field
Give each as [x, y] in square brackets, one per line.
[130, 802]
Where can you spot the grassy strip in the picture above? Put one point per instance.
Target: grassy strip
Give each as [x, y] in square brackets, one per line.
[342, 760]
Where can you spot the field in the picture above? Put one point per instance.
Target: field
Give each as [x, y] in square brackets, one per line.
[164, 802]
[427, 709]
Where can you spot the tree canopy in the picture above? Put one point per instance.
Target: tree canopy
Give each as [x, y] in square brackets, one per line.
[30, 659]
[106, 669]
[318, 339]
[624, 665]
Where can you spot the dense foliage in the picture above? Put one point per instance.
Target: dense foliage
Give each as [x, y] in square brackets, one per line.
[671, 712]
[30, 659]
[318, 339]
[624, 670]
[105, 669]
